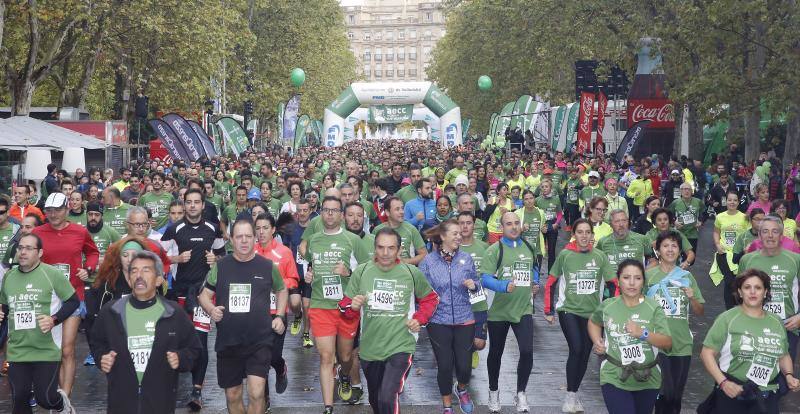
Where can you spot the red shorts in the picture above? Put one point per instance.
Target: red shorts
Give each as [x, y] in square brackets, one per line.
[200, 319]
[329, 322]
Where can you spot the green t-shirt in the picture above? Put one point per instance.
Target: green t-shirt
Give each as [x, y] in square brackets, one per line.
[390, 303]
[116, 217]
[612, 315]
[581, 275]
[230, 213]
[743, 241]
[652, 236]
[28, 295]
[216, 200]
[589, 192]
[324, 252]
[6, 235]
[104, 238]
[407, 193]
[479, 230]
[783, 270]
[410, 239]
[516, 266]
[632, 246]
[453, 174]
[749, 348]
[476, 251]
[573, 186]
[368, 245]
[687, 216]
[535, 221]
[314, 226]
[550, 206]
[140, 328]
[158, 205]
[77, 218]
[274, 207]
[678, 320]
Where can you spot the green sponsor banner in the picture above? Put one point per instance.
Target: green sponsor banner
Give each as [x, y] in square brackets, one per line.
[234, 135]
[465, 123]
[390, 114]
[217, 137]
[345, 104]
[559, 124]
[520, 107]
[438, 102]
[572, 125]
[281, 107]
[504, 120]
[300, 131]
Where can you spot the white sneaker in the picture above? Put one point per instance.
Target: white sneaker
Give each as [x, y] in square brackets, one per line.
[569, 403]
[577, 406]
[521, 402]
[494, 401]
[68, 408]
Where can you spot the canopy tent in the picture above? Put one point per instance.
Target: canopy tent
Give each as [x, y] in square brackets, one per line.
[20, 133]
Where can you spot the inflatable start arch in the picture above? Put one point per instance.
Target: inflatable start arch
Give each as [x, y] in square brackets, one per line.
[337, 123]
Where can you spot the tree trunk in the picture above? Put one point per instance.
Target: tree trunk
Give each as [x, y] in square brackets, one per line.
[21, 96]
[752, 135]
[696, 147]
[120, 86]
[792, 150]
[2, 20]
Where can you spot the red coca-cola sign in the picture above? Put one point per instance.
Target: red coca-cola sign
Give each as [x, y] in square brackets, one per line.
[660, 111]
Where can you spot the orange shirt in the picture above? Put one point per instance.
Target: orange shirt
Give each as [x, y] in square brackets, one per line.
[19, 212]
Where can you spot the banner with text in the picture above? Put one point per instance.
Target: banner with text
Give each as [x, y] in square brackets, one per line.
[584, 139]
[232, 132]
[390, 114]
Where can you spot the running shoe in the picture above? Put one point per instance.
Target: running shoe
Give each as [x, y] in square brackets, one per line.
[494, 401]
[577, 405]
[307, 343]
[521, 401]
[569, 403]
[345, 390]
[282, 380]
[476, 358]
[68, 408]
[195, 400]
[328, 410]
[32, 400]
[464, 401]
[89, 361]
[295, 329]
[358, 394]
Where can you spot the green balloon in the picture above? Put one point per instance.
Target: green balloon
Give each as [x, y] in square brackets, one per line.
[298, 77]
[484, 83]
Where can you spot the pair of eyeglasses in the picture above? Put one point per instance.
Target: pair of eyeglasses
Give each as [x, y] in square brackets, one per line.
[331, 210]
[139, 225]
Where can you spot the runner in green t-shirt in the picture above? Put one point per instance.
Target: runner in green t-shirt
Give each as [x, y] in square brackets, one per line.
[510, 268]
[157, 200]
[394, 300]
[676, 292]
[102, 234]
[687, 210]
[36, 298]
[533, 223]
[629, 330]
[7, 229]
[115, 212]
[412, 247]
[622, 243]
[663, 221]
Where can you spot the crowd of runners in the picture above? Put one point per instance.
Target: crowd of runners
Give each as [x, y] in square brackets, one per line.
[357, 249]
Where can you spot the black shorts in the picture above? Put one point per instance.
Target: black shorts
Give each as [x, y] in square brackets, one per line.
[294, 291]
[305, 288]
[357, 339]
[235, 363]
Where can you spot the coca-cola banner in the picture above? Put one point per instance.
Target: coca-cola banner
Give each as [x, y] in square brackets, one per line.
[584, 140]
[660, 111]
[602, 103]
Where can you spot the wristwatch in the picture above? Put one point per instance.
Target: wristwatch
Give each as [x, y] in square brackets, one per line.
[645, 334]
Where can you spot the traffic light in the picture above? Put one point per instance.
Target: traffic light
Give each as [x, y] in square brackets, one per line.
[248, 108]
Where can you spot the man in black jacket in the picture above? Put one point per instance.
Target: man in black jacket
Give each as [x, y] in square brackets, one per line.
[142, 341]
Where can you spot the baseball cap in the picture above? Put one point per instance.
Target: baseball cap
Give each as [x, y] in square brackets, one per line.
[675, 172]
[462, 179]
[93, 206]
[254, 194]
[56, 200]
[594, 174]
[548, 171]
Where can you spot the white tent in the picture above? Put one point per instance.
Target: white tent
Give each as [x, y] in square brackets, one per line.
[20, 133]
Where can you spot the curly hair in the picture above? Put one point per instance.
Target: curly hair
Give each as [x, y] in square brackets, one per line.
[112, 263]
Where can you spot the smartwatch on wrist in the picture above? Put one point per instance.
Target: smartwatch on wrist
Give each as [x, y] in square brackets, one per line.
[645, 334]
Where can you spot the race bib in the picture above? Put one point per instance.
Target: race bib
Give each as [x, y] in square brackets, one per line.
[521, 274]
[239, 298]
[273, 301]
[776, 305]
[200, 316]
[631, 353]
[383, 296]
[572, 194]
[675, 292]
[24, 316]
[730, 237]
[687, 218]
[586, 282]
[479, 295]
[64, 268]
[332, 287]
[676, 193]
[549, 215]
[140, 347]
[761, 368]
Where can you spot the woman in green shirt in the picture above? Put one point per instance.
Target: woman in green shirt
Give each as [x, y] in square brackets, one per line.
[635, 329]
[664, 221]
[752, 348]
[675, 291]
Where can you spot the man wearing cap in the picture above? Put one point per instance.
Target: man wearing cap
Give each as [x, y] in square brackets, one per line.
[70, 248]
[672, 189]
[591, 190]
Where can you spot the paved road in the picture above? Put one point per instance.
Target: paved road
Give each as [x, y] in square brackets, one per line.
[545, 390]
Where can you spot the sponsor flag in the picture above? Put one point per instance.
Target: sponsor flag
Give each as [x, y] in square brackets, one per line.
[632, 139]
[559, 124]
[186, 134]
[584, 139]
[205, 140]
[465, 123]
[572, 125]
[300, 131]
[290, 114]
[169, 140]
[602, 103]
[233, 134]
[281, 107]
[540, 126]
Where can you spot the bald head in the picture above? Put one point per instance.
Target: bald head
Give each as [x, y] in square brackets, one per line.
[333, 192]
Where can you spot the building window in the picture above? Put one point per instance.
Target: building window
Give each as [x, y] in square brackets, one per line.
[389, 54]
[378, 73]
[366, 36]
[412, 55]
[426, 52]
[401, 53]
[350, 36]
[427, 34]
[401, 35]
[428, 17]
[378, 55]
[367, 56]
[378, 35]
[390, 35]
[412, 34]
[401, 73]
[412, 72]
[389, 73]
[351, 19]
